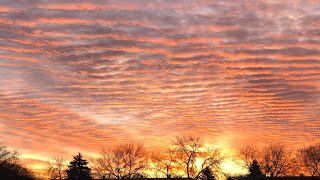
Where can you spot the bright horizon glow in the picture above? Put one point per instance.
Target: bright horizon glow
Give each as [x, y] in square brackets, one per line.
[233, 167]
[230, 165]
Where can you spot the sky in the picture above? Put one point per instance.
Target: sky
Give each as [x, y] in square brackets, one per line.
[83, 75]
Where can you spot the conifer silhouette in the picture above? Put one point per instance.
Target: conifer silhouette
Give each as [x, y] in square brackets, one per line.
[78, 169]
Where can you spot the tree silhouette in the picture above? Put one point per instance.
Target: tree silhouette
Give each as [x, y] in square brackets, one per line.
[254, 170]
[249, 154]
[165, 163]
[196, 157]
[309, 157]
[207, 174]
[275, 160]
[208, 159]
[7, 156]
[125, 161]
[188, 148]
[78, 169]
[56, 167]
[10, 167]
[98, 171]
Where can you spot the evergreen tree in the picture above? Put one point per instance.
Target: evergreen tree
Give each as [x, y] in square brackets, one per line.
[254, 169]
[78, 169]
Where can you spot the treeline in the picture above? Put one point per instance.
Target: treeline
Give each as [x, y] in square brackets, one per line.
[189, 157]
[11, 167]
[277, 160]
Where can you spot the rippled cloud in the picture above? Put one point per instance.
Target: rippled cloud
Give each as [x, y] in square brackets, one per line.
[85, 74]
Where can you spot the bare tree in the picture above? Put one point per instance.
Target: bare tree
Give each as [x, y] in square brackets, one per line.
[98, 170]
[275, 160]
[8, 156]
[309, 157]
[165, 163]
[249, 154]
[56, 167]
[209, 159]
[125, 161]
[188, 147]
[195, 156]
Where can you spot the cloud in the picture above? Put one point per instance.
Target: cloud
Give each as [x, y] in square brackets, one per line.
[83, 75]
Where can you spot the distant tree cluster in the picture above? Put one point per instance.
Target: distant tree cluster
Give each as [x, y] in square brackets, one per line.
[277, 160]
[309, 157]
[77, 169]
[10, 166]
[187, 156]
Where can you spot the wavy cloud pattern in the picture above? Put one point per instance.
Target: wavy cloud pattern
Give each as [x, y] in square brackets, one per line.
[86, 74]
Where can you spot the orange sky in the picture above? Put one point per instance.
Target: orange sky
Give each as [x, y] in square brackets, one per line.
[86, 75]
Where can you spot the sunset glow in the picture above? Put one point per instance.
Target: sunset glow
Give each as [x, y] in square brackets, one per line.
[79, 76]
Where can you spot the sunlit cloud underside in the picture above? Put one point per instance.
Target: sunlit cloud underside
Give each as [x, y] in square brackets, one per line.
[78, 76]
